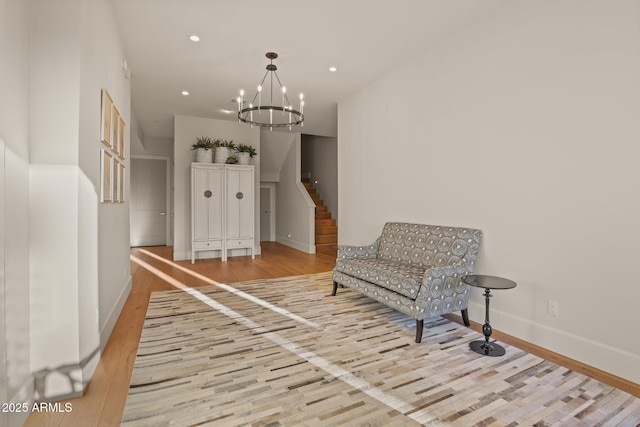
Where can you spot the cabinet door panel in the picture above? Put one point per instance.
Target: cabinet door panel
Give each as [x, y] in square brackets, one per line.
[233, 205]
[240, 212]
[246, 210]
[207, 215]
[216, 204]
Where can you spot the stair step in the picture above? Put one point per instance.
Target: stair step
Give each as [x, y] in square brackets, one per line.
[325, 222]
[328, 238]
[326, 230]
[327, 248]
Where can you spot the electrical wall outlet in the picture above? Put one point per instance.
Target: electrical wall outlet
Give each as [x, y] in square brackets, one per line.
[553, 308]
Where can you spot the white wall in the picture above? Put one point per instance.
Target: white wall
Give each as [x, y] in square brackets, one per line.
[524, 125]
[103, 228]
[16, 383]
[272, 154]
[80, 269]
[295, 211]
[186, 130]
[154, 147]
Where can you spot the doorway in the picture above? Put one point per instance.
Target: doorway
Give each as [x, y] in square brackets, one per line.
[150, 201]
[268, 212]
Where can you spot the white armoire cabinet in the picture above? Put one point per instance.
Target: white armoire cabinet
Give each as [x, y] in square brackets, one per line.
[222, 208]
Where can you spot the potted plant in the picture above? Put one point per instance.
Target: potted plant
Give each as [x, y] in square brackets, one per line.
[204, 149]
[244, 153]
[223, 150]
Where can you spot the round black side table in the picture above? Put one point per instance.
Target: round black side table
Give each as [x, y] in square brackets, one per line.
[487, 282]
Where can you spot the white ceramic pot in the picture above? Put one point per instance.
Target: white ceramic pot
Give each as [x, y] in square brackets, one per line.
[221, 155]
[203, 155]
[243, 158]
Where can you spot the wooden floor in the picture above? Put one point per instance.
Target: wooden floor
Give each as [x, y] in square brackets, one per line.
[105, 397]
[104, 401]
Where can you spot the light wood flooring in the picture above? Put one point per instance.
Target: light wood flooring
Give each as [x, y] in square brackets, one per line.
[104, 401]
[106, 394]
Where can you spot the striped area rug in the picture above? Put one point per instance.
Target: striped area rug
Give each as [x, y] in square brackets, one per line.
[283, 352]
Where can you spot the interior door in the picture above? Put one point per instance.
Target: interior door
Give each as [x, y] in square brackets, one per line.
[265, 214]
[149, 214]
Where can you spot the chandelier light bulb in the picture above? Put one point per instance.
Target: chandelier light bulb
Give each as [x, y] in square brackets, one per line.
[284, 92]
[259, 97]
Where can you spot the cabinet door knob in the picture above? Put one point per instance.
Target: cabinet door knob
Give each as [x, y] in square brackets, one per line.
[208, 194]
[239, 195]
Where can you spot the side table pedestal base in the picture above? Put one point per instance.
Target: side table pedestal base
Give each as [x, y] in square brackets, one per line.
[487, 349]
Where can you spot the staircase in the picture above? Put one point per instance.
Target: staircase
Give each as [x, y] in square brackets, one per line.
[326, 229]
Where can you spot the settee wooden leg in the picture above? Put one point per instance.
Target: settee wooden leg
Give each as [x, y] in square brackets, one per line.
[419, 327]
[335, 288]
[465, 317]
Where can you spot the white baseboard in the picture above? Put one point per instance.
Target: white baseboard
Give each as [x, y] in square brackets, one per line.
[310, 249]
[181, 256]
[612, 360]
[106, 330]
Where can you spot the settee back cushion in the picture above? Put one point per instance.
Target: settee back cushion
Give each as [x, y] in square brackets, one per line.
[428, 245]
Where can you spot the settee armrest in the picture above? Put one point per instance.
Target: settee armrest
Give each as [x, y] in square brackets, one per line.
[370, 251]
[461, 268]
[445, 281]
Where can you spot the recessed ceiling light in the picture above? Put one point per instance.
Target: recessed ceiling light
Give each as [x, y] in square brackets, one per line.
[185, 92]
[333, 69]
[194, 38]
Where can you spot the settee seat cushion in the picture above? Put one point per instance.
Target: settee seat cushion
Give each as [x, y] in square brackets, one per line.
[401, 277]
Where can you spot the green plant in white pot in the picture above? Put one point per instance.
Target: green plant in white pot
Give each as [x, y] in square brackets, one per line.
[223, 151]
[245, 152]
[204, 149]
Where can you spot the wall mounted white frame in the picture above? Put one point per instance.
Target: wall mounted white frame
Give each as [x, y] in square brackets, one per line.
[106, 179]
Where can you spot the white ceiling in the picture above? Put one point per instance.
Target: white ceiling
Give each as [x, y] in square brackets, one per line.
[364, 39]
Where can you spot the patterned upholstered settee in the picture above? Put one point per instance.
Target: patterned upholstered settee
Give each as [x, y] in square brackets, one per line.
[413, 268]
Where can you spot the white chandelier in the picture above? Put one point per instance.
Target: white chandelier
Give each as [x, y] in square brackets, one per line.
[270, 115]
